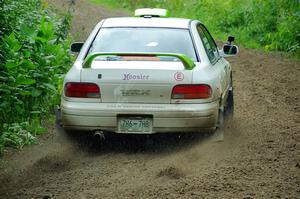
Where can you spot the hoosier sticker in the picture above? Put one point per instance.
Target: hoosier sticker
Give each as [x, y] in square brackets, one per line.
[130, 76]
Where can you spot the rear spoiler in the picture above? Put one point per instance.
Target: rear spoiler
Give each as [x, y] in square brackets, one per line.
[186, 61]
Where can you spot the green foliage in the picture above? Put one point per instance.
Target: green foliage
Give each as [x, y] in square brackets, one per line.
[16, 135]
[34, 56]
[267, 24]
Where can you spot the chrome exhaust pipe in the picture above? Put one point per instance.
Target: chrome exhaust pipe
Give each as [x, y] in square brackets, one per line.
[99, 135]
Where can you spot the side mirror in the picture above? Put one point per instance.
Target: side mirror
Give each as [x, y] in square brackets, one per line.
[76, 47]
[229, 49]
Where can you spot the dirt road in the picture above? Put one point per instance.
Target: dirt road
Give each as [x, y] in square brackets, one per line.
[259, 157]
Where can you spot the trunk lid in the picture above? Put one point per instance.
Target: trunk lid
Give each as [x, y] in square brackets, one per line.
[136, 81]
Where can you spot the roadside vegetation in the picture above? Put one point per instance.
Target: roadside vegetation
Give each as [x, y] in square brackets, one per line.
[33, 59]
[265, 24]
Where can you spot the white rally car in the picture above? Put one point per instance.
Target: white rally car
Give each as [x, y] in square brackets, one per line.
[148, 74]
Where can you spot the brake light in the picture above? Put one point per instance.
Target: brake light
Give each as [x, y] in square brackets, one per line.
[82, 90]
[188, 91]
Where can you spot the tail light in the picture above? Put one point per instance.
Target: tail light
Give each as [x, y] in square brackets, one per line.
[82, 90]
[186, 91]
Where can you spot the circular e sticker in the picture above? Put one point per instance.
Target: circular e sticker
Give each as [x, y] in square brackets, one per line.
[179, 76]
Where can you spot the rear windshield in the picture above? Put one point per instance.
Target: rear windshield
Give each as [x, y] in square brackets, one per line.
[163, 40]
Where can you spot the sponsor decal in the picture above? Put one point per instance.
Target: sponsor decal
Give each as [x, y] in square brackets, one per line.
[136, 106]
[135, 92]
[179, 76]
[130, 76]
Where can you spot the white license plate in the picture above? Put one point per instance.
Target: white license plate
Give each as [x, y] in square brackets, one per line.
[135, 125]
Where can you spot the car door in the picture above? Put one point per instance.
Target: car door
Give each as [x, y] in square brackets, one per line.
[218, 63]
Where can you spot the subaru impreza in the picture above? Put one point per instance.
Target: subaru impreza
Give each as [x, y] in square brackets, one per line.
[148, 74]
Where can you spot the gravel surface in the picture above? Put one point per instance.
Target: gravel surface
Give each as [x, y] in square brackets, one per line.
[259, 157]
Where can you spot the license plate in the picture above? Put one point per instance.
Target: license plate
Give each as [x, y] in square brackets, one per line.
[135, 125]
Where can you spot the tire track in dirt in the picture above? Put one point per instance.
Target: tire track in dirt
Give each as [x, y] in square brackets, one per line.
[259, 158]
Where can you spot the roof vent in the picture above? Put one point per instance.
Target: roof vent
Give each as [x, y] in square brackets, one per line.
[151, 12]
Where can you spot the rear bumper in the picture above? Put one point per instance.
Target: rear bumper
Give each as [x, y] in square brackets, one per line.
[166, 117]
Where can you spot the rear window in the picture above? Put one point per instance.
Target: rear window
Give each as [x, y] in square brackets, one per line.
[163, 40]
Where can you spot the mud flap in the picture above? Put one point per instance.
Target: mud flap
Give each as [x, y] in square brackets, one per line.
[58, 120]
[229, 109]
[219, 133]
[225, 116]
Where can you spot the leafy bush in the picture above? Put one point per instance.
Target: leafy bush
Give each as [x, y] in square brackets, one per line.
[267, 24]
[34, 56]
